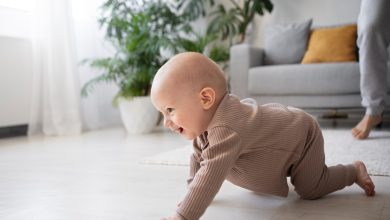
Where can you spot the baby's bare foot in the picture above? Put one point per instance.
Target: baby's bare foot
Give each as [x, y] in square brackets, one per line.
[363, 128]
[363, 179]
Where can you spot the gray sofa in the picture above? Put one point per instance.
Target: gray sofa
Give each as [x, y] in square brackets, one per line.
[308, 86]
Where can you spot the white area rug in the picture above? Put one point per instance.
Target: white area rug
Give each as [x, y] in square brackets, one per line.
[340, 147]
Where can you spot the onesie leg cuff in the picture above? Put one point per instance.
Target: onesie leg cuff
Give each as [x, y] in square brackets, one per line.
[350, 176]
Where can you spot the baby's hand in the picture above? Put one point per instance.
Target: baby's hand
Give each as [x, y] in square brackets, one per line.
[174, 217]
[171, 218]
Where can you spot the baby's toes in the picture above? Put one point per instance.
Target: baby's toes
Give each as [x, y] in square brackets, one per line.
[369, 188]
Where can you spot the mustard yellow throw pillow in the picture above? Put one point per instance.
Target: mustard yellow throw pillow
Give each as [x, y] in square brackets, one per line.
[337, 44]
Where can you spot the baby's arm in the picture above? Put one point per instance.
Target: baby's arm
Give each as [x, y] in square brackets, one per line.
[194, 167]
[194, 161]
[218, 158]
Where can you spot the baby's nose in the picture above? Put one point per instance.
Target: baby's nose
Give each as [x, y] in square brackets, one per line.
[167, 122]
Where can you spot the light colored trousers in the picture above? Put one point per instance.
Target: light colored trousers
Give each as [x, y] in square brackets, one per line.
[373, 40]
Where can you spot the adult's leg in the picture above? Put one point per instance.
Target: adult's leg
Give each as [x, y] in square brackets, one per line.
[373, 40]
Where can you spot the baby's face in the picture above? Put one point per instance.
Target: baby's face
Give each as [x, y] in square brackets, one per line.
[182, 112]
[182, 92]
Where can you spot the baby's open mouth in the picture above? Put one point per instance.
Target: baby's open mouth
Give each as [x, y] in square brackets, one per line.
[180, 130]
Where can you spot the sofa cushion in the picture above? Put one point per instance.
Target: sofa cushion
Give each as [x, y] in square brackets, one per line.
[305, 79]
[336, 44]
[286, 43]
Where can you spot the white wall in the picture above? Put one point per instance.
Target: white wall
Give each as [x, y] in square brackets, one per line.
[14, 22]
[323, 12]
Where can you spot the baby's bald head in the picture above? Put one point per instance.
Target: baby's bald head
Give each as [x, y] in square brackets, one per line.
[191, 72]
[187, 91]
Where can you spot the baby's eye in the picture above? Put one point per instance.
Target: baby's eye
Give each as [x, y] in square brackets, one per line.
[169, 110]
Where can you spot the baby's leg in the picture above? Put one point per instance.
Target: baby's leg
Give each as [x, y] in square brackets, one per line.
[363, 179]
[312, 178]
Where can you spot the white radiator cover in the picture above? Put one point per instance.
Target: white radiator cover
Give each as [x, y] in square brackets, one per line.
[15, 80]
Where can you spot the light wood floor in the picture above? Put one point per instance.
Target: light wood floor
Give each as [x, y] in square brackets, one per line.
[96, 176]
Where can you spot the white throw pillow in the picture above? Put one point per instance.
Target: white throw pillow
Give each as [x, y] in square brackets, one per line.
[286, 43]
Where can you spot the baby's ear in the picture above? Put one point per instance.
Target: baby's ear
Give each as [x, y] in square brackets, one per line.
[207, 97]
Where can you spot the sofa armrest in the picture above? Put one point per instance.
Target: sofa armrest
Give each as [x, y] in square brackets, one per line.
[242, 58]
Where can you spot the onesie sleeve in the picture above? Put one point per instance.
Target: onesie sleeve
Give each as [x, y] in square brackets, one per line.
[194, 161]
[217, 159]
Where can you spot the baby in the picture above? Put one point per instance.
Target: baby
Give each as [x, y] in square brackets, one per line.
[253, 146]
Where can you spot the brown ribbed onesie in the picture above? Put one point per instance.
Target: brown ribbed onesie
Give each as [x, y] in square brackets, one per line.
[257, 148]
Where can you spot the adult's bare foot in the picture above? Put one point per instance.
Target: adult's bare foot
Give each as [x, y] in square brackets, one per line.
[363, 179]
[363, 128]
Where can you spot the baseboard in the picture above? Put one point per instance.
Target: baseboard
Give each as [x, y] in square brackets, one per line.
[13, 131]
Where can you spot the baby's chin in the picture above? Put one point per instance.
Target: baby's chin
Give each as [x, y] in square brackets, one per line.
[188, 135]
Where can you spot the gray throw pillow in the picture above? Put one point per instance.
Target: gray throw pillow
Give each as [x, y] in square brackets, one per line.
[286, 43]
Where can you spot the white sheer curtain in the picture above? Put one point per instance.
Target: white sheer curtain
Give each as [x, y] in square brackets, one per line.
[65, 32]
[56, 101]
[97, 109]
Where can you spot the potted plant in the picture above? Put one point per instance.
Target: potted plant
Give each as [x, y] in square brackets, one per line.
[205, 44]
[139, 31]
[144, 34]
[236, 20]
[227, 26]
[227, 22]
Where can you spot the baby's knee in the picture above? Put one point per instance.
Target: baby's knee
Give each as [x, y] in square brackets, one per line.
[308, 195]
[309, 191]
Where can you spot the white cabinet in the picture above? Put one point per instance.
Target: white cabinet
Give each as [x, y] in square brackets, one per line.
[15, 81]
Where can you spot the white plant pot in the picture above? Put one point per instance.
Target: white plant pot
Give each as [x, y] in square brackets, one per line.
[138, 114]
